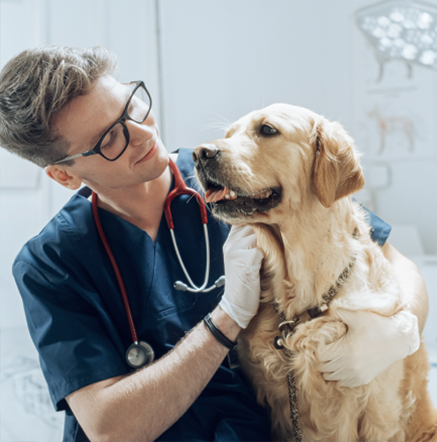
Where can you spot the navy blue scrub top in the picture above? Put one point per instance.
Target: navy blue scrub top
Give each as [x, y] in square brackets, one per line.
[78, 323]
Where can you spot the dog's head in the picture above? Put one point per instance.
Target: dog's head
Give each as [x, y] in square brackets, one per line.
[275, 160]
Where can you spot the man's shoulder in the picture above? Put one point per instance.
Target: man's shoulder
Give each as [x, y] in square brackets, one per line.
[64, 232]
[73, 220]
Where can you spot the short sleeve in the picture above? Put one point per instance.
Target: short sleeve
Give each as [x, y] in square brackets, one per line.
[379, 229]
[74, 339]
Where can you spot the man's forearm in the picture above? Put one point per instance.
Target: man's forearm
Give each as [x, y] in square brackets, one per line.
[142, 405]
[411, 283]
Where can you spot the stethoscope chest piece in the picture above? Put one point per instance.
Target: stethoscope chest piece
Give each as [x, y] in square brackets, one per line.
[139, 354]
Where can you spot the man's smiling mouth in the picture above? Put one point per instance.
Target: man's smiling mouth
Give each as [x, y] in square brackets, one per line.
[148, 153]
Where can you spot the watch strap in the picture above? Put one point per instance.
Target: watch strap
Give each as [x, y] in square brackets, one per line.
[217, 333]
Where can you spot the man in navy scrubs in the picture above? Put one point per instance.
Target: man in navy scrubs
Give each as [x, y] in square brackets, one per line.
[56, 103]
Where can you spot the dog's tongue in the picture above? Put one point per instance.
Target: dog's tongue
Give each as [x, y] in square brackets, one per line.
[211, 196]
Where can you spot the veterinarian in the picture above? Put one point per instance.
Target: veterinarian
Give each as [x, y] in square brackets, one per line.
[57, 102]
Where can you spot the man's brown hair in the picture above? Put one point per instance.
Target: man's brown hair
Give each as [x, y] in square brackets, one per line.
[34, 86]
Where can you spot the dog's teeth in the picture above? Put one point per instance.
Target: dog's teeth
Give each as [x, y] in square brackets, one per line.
[231, 195]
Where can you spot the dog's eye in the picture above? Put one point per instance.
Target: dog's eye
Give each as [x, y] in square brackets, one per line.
[268, 130]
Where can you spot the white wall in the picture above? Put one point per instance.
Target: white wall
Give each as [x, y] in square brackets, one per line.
[227, 58]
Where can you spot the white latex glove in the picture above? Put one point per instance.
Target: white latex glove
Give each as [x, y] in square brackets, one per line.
[242, 263]
[371, 344]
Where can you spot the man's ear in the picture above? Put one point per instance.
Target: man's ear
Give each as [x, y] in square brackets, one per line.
[63, 176]
[337, 170]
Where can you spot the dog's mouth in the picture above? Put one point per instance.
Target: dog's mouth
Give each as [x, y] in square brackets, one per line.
[228, 201]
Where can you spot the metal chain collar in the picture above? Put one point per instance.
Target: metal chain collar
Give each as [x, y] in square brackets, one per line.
[287, 328]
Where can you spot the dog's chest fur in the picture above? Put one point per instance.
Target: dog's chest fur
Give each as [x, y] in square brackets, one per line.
[294, 290]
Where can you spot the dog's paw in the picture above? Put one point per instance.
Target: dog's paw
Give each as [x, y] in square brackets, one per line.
[311, 335]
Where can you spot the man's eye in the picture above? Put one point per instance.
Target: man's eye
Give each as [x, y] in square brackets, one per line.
[108, 140]
[268, 130]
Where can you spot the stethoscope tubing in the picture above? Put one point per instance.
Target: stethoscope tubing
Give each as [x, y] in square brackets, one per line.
[130, 320]
[194, 288]
[180, 188]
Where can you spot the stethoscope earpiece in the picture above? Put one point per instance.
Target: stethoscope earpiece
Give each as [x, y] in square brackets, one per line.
[221, 281]
[179, 285]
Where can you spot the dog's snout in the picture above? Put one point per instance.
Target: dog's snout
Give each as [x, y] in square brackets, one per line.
[205, 152]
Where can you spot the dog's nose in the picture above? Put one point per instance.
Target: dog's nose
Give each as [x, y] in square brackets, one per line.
[205, 152]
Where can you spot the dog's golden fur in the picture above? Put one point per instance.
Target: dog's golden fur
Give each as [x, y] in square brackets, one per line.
[307, 241]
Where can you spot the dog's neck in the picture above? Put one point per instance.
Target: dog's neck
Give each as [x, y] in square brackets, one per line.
[312, 251]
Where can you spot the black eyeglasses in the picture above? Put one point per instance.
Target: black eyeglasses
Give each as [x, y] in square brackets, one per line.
[115, 140]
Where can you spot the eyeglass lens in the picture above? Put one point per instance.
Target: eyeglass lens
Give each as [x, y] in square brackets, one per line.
[115, 141]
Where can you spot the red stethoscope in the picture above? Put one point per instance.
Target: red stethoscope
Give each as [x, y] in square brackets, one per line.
[141, 353]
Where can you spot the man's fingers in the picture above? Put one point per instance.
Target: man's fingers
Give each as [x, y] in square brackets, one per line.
[332, 351]
[331, 366]
[240, 231]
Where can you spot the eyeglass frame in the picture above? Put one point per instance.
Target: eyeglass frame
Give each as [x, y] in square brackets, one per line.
[125, 116]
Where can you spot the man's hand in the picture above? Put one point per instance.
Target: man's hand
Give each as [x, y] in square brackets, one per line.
[374, 342]
[242, 264]
[371, 344]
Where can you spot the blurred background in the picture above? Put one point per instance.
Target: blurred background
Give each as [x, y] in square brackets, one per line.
[207, 63]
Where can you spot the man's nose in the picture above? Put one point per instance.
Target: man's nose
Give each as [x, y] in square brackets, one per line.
[205, 152]
[139, 132]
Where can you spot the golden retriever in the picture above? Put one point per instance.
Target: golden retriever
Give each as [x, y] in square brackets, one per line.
[288, 172]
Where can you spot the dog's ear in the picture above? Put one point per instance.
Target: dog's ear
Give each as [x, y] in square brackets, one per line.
[337, 171]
